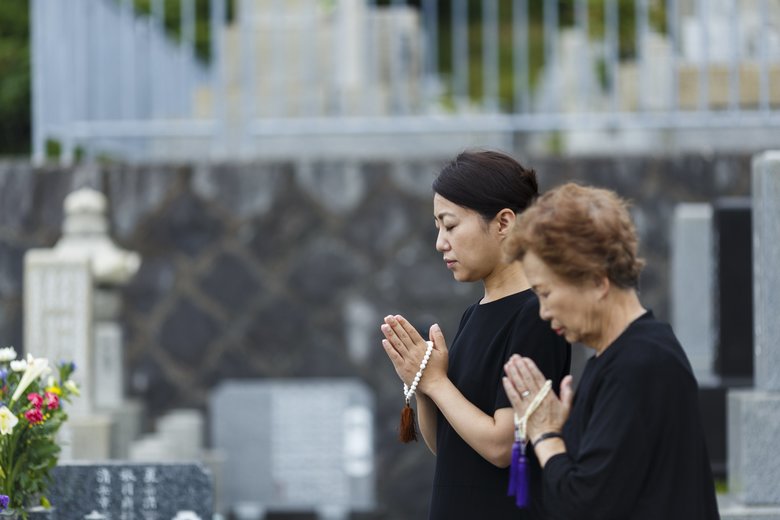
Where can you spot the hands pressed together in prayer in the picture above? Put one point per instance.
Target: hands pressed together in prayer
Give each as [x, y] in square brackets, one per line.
[522, 382]
[406, 348]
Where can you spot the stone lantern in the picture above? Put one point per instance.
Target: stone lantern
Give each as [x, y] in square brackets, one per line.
[71, 308]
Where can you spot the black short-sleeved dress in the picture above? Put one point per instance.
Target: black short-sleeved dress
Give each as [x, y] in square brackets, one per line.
[466, 486]
[634, 439]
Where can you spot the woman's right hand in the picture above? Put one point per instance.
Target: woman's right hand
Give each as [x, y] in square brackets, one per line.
[523, 377]
[406, 348]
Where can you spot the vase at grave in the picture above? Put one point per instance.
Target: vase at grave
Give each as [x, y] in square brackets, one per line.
[33, 513]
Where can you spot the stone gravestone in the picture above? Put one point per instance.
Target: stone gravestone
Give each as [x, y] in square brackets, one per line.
[128, 491]
[71, 308]
[734, 307]
[692, 291]
[692, 286]
[754, 415]
[311, 446]
[185, 428]
[58, 312]
[179, 437]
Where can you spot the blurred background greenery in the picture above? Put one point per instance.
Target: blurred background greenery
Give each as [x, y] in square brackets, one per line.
[14, 77]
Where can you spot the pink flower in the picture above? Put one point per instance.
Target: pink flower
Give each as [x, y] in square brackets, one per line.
[34, 415]
[35, 399]
[52, 400]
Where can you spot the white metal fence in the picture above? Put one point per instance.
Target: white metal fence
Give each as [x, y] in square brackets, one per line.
[108, 80]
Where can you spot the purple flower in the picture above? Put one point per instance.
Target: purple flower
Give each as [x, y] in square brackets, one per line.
[3, 502]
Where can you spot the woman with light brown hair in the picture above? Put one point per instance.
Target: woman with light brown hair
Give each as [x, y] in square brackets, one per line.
[630, 443]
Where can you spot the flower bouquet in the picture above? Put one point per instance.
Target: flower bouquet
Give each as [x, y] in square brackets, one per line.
[31, 413]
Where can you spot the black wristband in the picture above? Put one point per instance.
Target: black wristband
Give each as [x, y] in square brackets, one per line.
[545, 436]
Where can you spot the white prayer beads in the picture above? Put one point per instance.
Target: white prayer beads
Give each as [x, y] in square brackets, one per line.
[409, 390]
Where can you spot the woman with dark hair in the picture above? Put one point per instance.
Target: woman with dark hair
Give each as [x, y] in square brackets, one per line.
[464, 414]
[630, 444]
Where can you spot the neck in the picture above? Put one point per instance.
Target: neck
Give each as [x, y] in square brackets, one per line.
[506, 279]
[621, 309]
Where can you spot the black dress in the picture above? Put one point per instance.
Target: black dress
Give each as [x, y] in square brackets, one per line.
[634, 439]
[466, 486]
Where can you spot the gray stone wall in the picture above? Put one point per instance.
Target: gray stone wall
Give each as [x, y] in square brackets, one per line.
[285, 270]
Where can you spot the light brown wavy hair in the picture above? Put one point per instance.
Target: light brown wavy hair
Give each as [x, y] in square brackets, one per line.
[581, 233]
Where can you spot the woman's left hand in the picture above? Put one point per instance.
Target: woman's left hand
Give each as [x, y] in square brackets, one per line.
[406, 349]
[524, 378]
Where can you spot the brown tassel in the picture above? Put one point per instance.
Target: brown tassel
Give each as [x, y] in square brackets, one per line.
[406, 430]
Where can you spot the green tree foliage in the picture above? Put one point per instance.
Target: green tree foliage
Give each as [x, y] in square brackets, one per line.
[173, 19]
[14, 77]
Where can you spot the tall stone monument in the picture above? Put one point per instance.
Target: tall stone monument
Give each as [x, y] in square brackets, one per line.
[692, 286]
[754, 415]
[693, 290]
[71, 306]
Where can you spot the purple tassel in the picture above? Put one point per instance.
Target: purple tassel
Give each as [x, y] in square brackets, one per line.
[518, 475]
[513, 469]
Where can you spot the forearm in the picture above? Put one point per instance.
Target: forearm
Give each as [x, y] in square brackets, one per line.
[490, 436]
[549, 448]
[579, 491]
[426, 418]
[614, 453]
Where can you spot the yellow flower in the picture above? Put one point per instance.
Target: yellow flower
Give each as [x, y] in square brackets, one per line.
[54, 389]
[7, 420]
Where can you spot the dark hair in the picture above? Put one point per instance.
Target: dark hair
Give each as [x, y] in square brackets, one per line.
[580, 232]
[487, 182]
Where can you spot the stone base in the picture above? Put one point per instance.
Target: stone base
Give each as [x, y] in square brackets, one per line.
[127, 421]
[40, 513]
[754, 468]
[87, 437]
[151, 448]
[214, 460]
[730, 510]
[185, 428]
